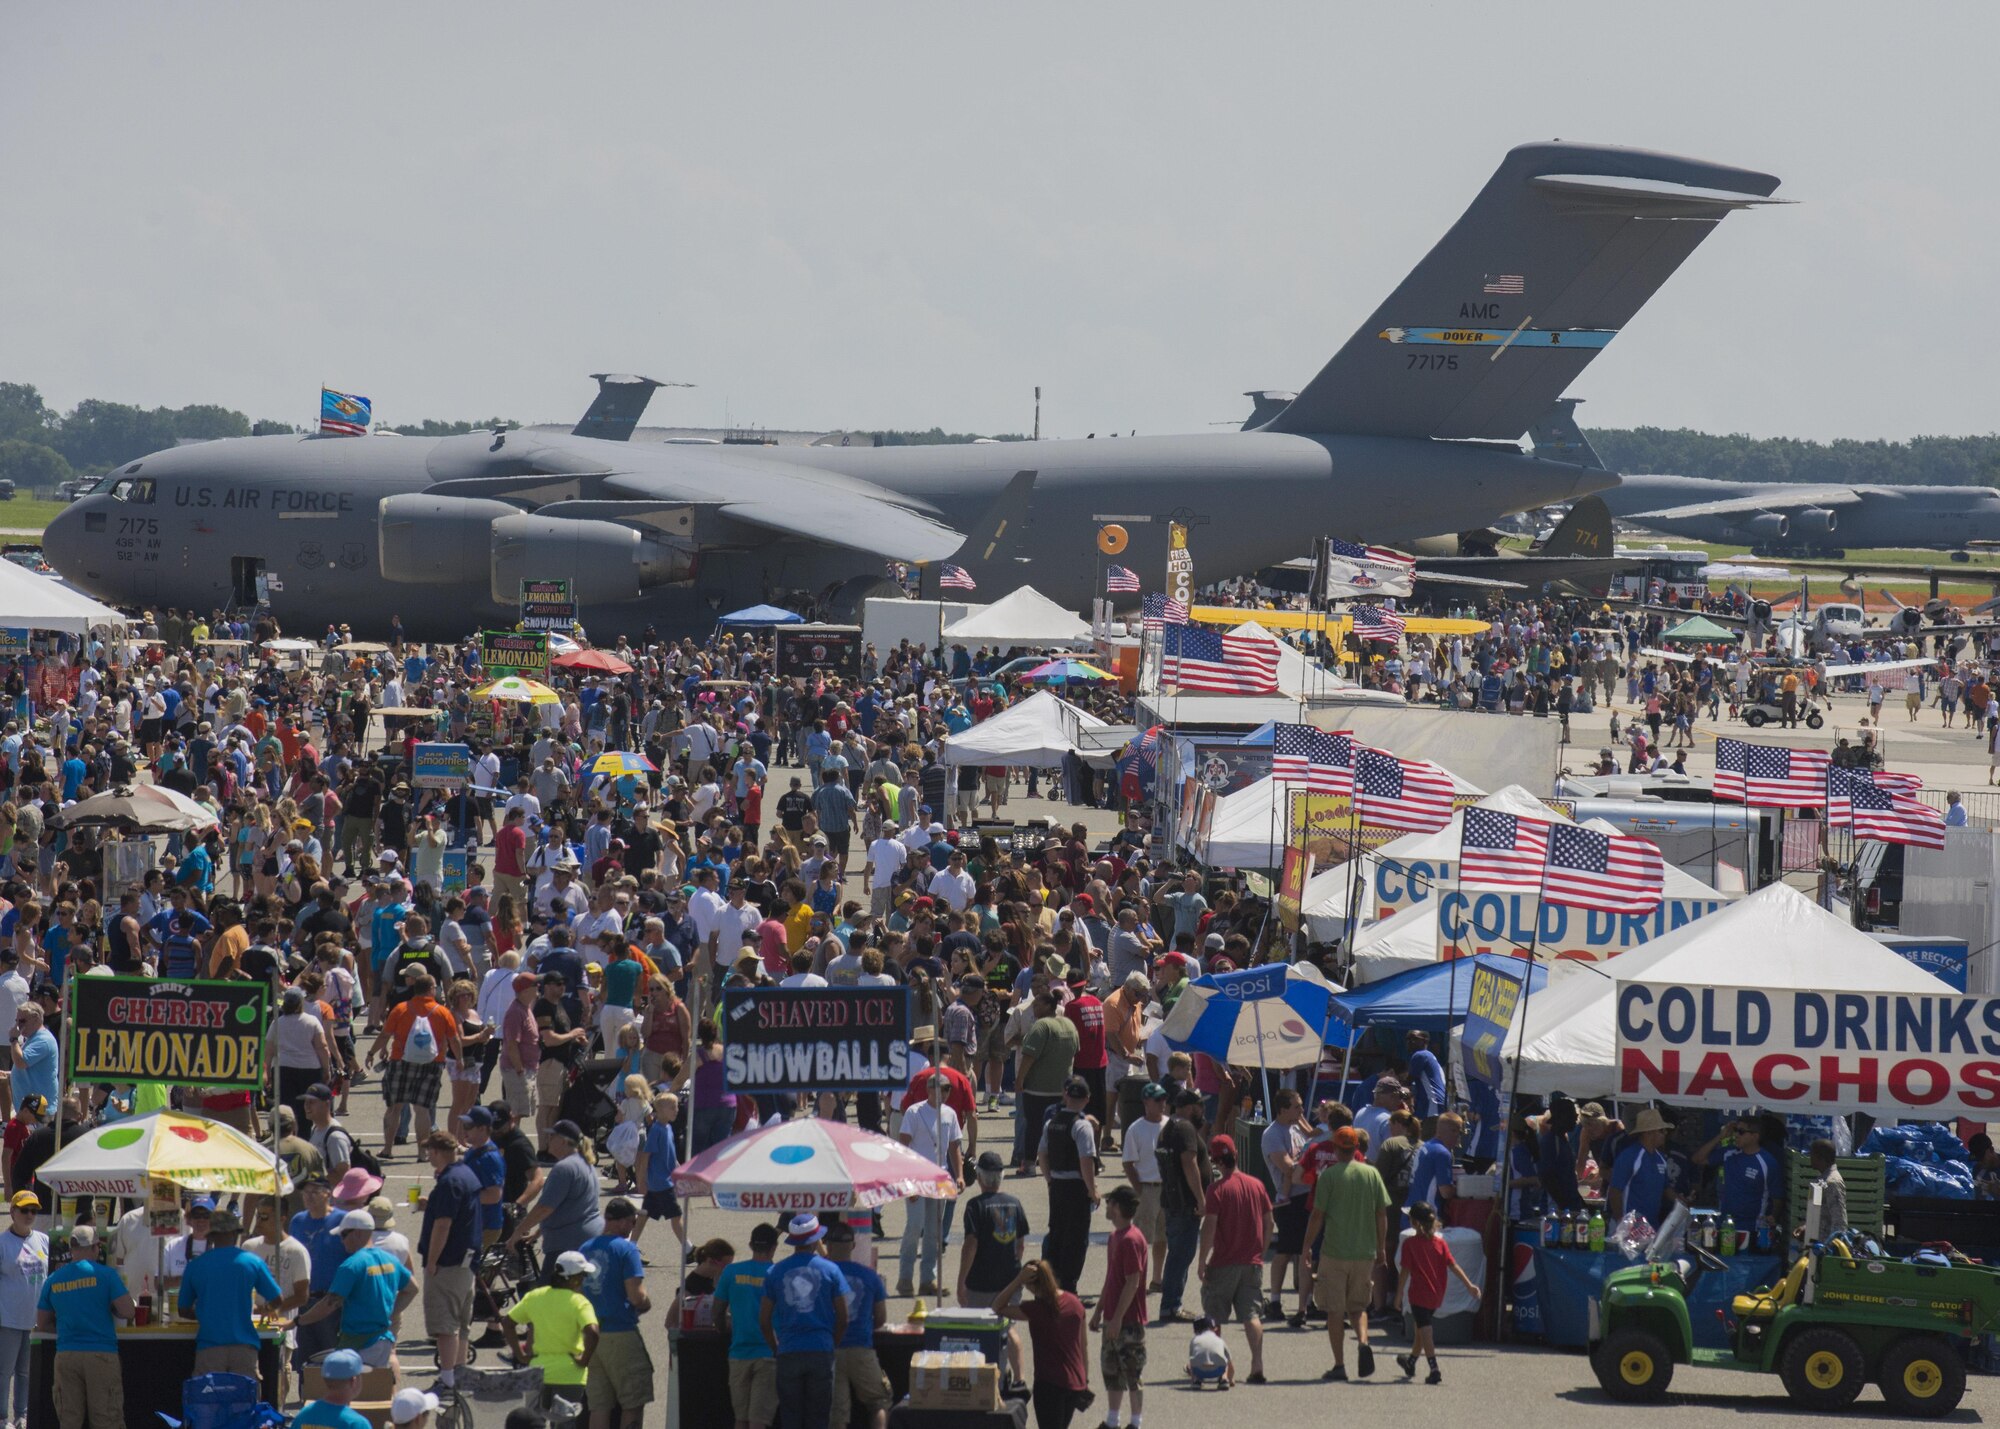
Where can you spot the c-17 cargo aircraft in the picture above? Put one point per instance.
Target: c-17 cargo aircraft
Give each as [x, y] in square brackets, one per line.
[1411, 428]
[1777, 518]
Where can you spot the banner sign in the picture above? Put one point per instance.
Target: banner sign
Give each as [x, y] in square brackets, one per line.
[547, 605]
[190, 1034]
[816, 1039]
[1472, 921]
[1894, 1055]
[1489, 1012]
[1292, 880]
[803, 649]
[514, 652]
[455, 871]
[13, 644]
[1180, 564]
[1943, 958]
[1397, 883]
[440, 766]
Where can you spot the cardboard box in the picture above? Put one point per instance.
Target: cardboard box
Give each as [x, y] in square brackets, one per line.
[377, 1386]
[976, 1389]
[376, 1413]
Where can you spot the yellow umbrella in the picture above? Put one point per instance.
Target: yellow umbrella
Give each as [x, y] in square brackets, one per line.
[120, 1158]
[519, 690]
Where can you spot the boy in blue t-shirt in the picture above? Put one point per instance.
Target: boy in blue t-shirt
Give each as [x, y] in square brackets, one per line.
[658, 1157]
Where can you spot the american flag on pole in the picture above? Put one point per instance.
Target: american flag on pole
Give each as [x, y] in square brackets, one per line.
[1380, 555]
[1400, 793]
[1889, 817]
[1158, 611]
[1319, 759]
[1839, 780]
[1766, 774]
[1502, 850]
[1198, 659]
[1372, 622]
[1609, 872]
[1505, 284]
[1118, 579]
[951, 577]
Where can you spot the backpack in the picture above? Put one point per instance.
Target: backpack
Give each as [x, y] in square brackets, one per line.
[421, 1045]
[358, 1155]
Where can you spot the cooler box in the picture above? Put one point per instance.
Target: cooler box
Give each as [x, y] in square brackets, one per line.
[960, 1329]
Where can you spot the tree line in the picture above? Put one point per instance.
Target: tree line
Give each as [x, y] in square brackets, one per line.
[42, 447]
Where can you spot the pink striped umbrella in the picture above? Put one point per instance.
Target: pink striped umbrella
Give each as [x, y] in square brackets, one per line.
[810, 1165]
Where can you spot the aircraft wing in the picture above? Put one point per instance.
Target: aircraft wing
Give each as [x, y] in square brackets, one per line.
[809, 504]
[1677, 656]
[1791, 500]
[1876, 667]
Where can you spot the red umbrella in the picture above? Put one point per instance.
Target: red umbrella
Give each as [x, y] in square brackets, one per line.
[592, 660]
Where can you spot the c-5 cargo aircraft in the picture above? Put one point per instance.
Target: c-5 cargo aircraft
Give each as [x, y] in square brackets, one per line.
[1411, 428]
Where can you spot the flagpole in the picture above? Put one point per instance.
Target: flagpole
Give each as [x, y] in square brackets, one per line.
[1514, 1086]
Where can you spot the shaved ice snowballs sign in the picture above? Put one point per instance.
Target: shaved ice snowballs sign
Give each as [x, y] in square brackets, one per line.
[818, 1039]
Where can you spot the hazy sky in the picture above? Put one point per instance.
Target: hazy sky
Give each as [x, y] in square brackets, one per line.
[873, 215]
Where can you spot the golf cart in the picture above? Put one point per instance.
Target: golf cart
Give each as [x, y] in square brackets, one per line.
[1759, 714]
[1843, 1316]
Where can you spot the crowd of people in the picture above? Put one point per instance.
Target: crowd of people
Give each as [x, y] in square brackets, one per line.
[570, 932]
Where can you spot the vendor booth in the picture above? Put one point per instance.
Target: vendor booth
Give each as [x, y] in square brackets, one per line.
[1037, 732]
[1021, 617]
[149, 1161]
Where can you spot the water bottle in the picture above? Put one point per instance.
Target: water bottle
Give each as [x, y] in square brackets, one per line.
[1597, 1230]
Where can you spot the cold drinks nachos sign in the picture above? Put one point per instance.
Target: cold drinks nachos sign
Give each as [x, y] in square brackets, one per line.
[194, 1033]
[816, 1039]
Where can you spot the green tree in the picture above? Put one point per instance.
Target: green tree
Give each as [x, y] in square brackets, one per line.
[30, 464]
[23, 414]
[938, 437]
[208, 423]
[96, 435]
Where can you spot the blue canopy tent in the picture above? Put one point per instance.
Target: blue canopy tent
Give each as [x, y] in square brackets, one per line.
[1432, 997]
[762, 615]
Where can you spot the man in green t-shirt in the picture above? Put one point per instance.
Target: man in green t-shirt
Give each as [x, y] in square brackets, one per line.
[1351, 1208]
[1048, 1051]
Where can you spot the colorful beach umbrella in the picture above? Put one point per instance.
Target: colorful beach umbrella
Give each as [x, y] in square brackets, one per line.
[810, 1165]
[1068, 671]
[121, 1158]
[621, 761]
[519, 690]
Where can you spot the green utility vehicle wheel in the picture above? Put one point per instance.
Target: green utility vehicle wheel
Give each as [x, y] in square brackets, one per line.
[1634, 1366]
[1922, 1375]
[1823, 1368]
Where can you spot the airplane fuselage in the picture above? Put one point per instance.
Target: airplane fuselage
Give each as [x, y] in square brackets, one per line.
[1936, 518]
[185, 528]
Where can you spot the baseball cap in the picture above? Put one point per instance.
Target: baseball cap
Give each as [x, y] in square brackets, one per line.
[1212, 943]
[1076, 1087]
[320, 1092]
[989, 1163]
[203, 1203]
[356, 1221]
[83, 1235]
[1152, 1092]
[1346, 1138]
[522, 980]
[572, 1262]
[477, 1116]
[567, 1129]
[1221, 1147]
[341, 1364]
[26, 1201]
[411, 1404]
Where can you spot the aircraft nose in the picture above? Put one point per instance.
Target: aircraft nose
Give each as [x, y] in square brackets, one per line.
[62, 541]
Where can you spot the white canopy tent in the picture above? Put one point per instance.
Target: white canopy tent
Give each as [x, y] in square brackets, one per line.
[1023, 617]
[1036, 733]
[1564, 1038]
[1250, 827]
[33, 602]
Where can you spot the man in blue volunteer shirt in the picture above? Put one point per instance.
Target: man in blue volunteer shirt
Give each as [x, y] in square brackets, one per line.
[368, 1291]
[1431, 1170]
[78, 1301]
[1426, 1077]
[216, 1289]
[317, 1228]
[1749, 1186]
[804, 1316]
[857, 1370]
[739, 1306]
[342, 1372]
[489, 1166]
[621, 1370]
[1640, 1176]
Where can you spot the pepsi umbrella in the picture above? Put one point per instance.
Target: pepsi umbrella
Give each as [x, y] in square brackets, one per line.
[1273, 1015]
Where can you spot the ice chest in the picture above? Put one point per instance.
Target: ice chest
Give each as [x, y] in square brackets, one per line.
[974, 1388]
[980, 1330]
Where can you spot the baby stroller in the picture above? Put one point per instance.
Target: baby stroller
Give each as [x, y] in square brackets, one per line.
[502, 1274]
[591, 1098]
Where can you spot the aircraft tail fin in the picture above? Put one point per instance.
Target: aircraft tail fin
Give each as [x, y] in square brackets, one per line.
[1557, 437]
[1586, 531]
[620, 403]
[1558, 251]
[1266, 405]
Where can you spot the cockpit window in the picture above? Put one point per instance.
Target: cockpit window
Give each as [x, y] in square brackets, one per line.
[138, 491]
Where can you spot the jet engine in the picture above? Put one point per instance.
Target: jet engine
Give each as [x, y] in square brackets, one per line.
[1768, 526]
[438, 540]
[606, 562]
[1815, 521]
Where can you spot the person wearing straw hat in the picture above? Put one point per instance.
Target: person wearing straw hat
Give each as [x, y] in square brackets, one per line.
[1641, 1180]
[804, 1316]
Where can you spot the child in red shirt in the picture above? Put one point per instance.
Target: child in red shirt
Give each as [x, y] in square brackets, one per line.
[1426, 1259]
